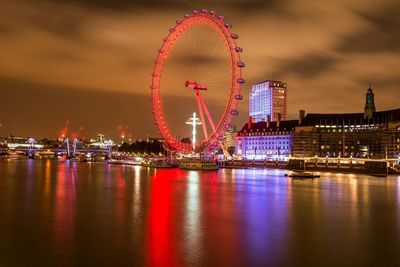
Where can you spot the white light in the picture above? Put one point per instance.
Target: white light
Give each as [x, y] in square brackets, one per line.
[194, 121]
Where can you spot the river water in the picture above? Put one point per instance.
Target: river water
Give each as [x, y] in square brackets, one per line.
[57, 213]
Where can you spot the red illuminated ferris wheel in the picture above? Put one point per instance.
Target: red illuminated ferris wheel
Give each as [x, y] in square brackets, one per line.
[228, 38]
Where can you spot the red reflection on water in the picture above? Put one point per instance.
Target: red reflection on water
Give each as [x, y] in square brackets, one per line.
[160, 247]
[120, 178]
[64, 209]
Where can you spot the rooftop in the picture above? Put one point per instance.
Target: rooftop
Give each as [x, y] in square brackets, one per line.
[261, 126]
[272, 81]
[346, 118]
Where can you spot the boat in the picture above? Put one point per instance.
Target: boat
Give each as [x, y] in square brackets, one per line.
[16, 155]
[48, 154]
[123, 162]
[198, 164]
[303, 175]
[158, 163]
[83, 158]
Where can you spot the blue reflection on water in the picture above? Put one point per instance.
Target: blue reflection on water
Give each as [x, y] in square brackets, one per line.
[264, 205]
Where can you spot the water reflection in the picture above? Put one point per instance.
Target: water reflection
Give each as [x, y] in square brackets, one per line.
[160, 249]
[137, 195]
[266, 203]
[60, 213]
[192, 232]
[398, 192]
[64, 211]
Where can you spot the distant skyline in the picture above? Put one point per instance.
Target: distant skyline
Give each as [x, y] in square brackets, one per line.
[89, 62]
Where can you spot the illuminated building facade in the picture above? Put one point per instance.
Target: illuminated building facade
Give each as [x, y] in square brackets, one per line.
[268, 98]
[363, 135]
[100, 142]
[15, 142]
[229, 137]
[265, 140]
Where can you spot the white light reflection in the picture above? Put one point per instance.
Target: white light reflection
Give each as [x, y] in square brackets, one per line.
[136, 195]
[233, 171]
[354, 196]
[192, 220]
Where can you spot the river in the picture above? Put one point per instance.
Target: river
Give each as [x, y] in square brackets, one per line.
[60, 213]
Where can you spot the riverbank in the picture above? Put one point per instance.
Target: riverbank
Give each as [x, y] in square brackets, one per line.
[310, 166]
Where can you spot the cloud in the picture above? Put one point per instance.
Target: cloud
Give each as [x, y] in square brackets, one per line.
[380, 34]
[308, 66]
[326, 51]
[123, 5]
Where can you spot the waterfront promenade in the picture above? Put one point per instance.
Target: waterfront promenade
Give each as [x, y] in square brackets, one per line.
[345, 165]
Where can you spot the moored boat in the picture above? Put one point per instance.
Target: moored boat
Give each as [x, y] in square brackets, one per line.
[48, 154]
[158, 163]
[83, 158]
[198, 164]
[123, 162]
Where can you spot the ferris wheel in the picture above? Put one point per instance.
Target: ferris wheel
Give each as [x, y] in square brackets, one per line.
[213, 137]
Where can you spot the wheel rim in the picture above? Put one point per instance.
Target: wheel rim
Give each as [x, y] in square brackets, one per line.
[211, 20]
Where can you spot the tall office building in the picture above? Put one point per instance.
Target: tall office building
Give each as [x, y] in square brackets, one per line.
[268, 98]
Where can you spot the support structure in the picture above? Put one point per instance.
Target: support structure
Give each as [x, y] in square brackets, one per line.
[31, 143]
[202, 107]
[68, 150]
[74, 145]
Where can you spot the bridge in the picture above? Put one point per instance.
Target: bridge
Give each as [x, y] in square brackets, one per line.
[30, 148]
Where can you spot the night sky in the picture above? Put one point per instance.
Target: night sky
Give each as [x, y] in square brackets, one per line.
[89, 62]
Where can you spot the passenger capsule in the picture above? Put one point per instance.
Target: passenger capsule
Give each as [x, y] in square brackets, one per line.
[234, 112]
[228, 127]
[241, 81]
[238, 97]
[212, 12]
[239, 49]
[228, 25]
[195, 11]
[234, 36]
[240, 64]
[205, 11]
[221, 17]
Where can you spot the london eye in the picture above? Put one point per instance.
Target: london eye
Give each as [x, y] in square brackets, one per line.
[196, 89]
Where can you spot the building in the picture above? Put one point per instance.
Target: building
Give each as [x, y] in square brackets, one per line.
[370, 134]
[265, 139]
[229, 137]
[18, 142]
[100, 142]
[100, 138]
[369, 108]
[268, 98]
